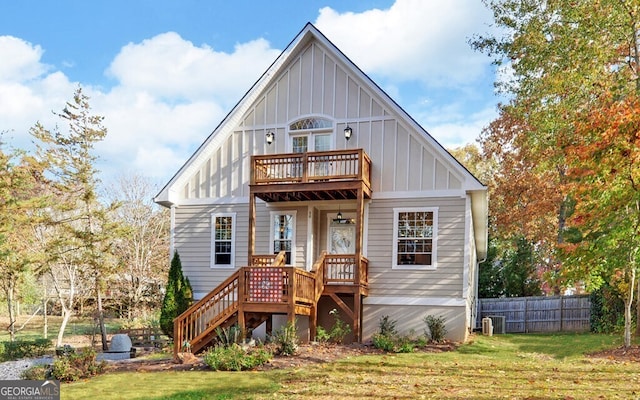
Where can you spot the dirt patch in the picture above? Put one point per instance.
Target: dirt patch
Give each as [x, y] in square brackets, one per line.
[308, 354]
[622, 353]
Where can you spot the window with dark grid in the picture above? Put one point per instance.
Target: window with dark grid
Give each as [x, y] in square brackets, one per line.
[415, 238]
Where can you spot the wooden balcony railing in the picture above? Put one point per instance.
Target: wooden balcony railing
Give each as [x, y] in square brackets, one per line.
[277, 285]
[345, 269]
[322, 166]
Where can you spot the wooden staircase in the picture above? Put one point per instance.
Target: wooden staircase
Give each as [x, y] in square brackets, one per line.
[251, 295]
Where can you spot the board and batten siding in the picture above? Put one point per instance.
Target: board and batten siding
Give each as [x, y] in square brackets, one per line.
[316, 84]
[446, 280]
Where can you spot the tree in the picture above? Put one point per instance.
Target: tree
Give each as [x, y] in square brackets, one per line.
[520, 272]
[178, 296]
[84, 232]
[573, 87]
[19, 203]
[490, 276]
[141, 251]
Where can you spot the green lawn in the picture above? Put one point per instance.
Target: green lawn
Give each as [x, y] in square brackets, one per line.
[502, 366]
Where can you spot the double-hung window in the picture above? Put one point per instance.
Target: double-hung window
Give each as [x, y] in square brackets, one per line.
[414, 238]
[223, 232]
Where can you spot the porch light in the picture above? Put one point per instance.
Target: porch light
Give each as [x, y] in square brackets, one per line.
[348, 132]
[270, 137]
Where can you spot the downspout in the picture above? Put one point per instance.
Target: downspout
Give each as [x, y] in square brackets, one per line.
[172, 229]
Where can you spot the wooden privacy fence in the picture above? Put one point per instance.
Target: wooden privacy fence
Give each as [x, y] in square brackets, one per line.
[539, 314]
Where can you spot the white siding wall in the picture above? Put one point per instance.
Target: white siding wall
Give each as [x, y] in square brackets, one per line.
[446, 280]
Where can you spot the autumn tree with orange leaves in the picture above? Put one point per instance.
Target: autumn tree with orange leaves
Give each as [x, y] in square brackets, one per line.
[567, 140]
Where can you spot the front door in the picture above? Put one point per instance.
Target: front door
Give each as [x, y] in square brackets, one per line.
[342, 238]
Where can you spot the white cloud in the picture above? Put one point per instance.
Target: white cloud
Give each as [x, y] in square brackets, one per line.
[457, 130]
[28, 90]
[20, 60]
[168, 66]
[169, 94]
[413, 40]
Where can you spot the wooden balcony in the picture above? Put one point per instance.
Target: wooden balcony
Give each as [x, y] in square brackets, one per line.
[324, 175]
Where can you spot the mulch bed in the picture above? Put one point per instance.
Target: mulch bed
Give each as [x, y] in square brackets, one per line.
[308, 354]
[631, 354]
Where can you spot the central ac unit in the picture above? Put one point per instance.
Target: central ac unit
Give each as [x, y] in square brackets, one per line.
[499, 324]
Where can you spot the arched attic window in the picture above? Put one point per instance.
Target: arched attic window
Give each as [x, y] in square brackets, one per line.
[311, 134]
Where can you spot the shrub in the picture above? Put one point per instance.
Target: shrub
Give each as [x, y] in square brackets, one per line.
[387, 337]
[607, 310]
[25, 348]
[36, 373]
[383, 342]
[75, 366]
[235, 358]
[322, 335]
[229, 336]
[436, 330]
[387, 326]
[286, 339]
[177, 297]
[340, 329]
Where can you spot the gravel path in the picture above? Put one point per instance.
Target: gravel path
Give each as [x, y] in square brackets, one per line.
[11, 370]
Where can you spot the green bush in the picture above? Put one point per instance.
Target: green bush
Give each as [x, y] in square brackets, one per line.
[436, 330]
[340, 329]
[387, 338]
[76, 366]
[235, 358]
[384, 342]
[286, 339]
[322, 335]
[607, 310]
[387, 326]
[25, 349]
[37, 373]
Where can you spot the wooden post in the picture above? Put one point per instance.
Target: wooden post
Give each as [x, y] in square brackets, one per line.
[357, 314]
[359, 235]
[252, 227]
[313, 321]
[291, 314]
[241, 298]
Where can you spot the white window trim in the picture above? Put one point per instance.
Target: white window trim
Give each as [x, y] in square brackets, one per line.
[434, 240]
[232, 264]
[293, 236]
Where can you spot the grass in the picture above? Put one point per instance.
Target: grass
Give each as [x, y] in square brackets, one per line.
[502, 366]
[35, 327]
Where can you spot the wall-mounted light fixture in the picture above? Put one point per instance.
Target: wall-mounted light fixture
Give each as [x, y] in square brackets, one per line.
[348, 132]
[270, 137]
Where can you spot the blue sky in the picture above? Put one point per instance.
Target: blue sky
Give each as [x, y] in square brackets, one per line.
[164, 73]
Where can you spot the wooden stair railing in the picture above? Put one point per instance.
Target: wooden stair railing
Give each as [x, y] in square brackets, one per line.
[195, 327]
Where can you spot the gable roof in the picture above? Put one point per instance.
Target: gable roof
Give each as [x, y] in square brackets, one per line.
[169, 193]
